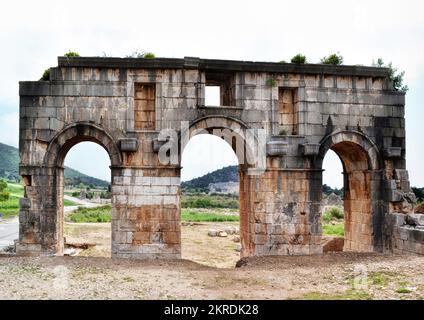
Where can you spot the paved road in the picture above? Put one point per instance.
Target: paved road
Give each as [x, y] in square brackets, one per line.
[80, 203]
[9, 230]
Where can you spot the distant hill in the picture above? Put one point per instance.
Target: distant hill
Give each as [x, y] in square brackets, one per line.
[9, 169]
[9, 162]
[201, 184]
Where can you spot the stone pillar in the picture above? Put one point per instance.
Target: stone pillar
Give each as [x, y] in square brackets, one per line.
[146, 213]
[282, 219]
[41, 212]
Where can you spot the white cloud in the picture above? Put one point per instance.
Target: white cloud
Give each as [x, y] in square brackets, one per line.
[9, 129]
[34, 33]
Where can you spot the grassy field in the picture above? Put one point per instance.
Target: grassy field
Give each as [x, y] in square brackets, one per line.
[333, 230]
[194, 215]
[210, 201]
[10, 207]
[195, 208]
[333, 224]
[99, 214]
[103, 214]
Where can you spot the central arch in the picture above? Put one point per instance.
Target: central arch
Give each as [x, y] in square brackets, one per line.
[245, 145]
[361, 175]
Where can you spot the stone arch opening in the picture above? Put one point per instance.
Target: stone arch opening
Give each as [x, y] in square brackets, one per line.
[361, 164]
[244, 144]
[54, 161]
[209, 210]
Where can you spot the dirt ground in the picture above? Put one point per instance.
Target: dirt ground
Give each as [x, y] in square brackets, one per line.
[196, 244]
[328, 276]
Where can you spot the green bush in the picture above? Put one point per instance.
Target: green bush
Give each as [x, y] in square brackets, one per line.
[145, 55]
[149, 55]
[76, 194]
[46, 75]
[4, 196]
[395, 77]
[334, 59]
[3, 185]
[299, 59]
[333, 214]
[272, 82]
[105, 195]
[71, 54]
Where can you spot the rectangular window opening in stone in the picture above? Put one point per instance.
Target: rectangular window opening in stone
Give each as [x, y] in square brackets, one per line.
[219, 89]
[144, 106]
[288, 108]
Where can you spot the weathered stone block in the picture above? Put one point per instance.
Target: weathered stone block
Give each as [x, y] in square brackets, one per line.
[393, 152]
[309, 149]
[276, 148]
[128, 145]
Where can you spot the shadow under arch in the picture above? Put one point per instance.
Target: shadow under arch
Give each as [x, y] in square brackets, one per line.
[362, 165]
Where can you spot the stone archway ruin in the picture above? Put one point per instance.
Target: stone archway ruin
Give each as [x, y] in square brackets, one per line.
[296, 114]
[362, 184]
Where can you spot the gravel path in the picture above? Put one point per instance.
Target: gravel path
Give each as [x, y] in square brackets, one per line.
[374, 276]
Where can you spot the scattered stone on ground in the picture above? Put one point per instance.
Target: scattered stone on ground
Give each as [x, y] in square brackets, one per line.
[224, 232]
[212, 233]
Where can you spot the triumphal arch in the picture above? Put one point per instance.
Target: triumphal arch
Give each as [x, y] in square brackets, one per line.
[280, 119]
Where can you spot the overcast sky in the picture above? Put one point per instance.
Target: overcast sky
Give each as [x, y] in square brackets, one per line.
[34, 33]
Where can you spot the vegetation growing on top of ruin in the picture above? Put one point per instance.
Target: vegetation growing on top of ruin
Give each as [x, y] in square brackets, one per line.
[395, 76]
[334, 59]
[70, 54]
[149, 55]
[299, 59]
[272, 82]
[46, 75]
[144, 55]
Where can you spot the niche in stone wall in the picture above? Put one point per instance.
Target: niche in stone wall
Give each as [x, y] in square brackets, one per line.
[144, 106]
[288, 108]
